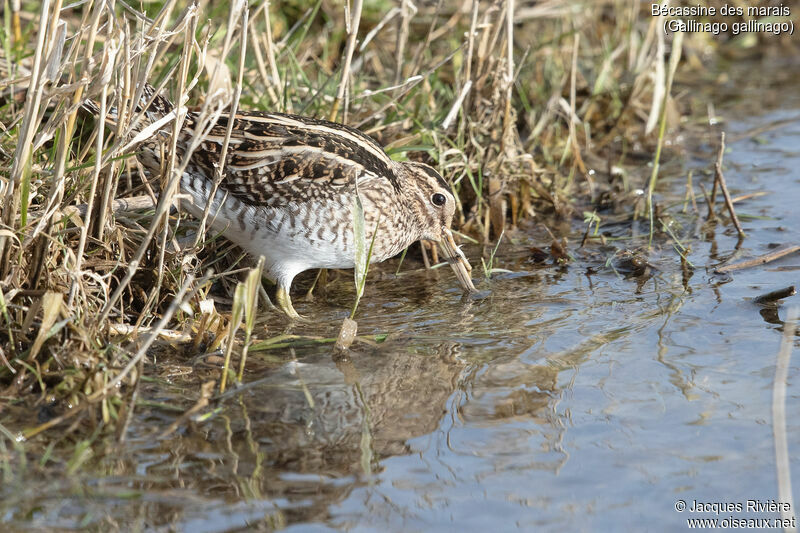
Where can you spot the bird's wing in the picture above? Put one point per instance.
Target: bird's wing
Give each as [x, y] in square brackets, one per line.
[273, 158]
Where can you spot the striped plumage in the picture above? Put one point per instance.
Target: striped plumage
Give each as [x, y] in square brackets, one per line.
[288, 188]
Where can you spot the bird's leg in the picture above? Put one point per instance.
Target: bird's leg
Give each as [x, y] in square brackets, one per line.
[320, 280]
[265, 296]
[285, 303]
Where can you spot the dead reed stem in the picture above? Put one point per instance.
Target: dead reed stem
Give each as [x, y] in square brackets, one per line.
[674, 58]
[239, 11]
[407, 10]
[720, 178]
[22, 155]
[352, 35]
[760, 260]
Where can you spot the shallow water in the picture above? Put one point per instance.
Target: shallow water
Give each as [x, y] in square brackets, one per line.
[581, 397]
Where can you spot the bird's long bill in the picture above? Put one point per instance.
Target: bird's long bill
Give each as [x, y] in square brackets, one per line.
[457, 260]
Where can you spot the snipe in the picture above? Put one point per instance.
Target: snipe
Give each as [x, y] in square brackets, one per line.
[288, 186]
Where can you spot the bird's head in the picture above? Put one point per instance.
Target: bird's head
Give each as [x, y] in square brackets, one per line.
[434, 206]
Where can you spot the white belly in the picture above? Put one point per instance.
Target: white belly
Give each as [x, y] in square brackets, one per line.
[292, 238]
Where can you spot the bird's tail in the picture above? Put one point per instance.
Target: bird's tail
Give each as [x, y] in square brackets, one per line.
[151, 107]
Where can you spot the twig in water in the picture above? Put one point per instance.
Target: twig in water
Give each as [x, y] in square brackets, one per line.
[748, 196]
[709, 202]
[760, 260]
[674, 58]
[779, 419]
[206, 391]
[689, 194]
[720, 178]
[773, 296]
[711, 199]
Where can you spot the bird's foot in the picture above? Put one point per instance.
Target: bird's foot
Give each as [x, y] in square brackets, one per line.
[285, 304]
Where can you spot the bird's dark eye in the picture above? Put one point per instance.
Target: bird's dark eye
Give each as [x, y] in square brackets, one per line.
[438, 199]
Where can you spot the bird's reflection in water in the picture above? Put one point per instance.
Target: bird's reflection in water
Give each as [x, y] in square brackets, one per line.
[315, 415]
[309, 432]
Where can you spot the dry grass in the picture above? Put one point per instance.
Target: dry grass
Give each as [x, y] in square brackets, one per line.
[514, 103]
